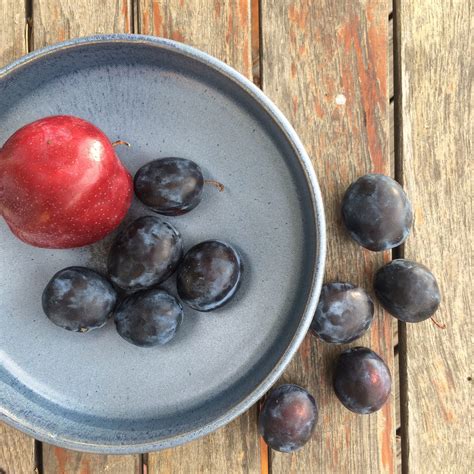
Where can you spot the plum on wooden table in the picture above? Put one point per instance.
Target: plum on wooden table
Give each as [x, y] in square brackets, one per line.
[287, 418]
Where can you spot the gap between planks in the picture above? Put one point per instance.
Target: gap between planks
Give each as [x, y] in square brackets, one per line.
[395, 75]
[257, 71]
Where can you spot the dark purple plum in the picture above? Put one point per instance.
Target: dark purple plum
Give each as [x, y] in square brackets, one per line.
[209, 275]
[78, 299]
[146, 253]
[149, 318]
[169, 186]
[362, 380]
[377, 212]
[343, 314]
[288, 418]
[407, 290]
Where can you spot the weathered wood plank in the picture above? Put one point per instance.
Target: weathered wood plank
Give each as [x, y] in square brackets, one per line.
[392, 131]
[223, 29]
[12, 30]
[398, 442]
[255, 41]
[58, 20]
[17, 453]
[233, 449]
[64, 461]
[325, 65]
[53, 21]
[435, 74]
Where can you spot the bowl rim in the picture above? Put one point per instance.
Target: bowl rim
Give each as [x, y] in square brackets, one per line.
[320, 245]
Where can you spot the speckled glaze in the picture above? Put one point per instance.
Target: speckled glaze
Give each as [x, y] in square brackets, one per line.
[95, 392]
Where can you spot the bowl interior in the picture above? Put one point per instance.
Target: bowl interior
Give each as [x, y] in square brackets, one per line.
[95, 391]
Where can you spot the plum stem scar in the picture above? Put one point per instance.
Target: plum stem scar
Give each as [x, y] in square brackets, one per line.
[120, 142]
[438, 324]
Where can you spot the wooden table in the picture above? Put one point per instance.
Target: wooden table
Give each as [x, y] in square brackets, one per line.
[361, 103]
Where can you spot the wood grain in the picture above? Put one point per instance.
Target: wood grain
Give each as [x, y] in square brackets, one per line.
[255, 41]
[435, 97]
[53, 21]
[17, 451]
[64, 461]
[396, 387]
[325, 65]
[12, 30]
[233, 449]
[58, 20]
[221, 28]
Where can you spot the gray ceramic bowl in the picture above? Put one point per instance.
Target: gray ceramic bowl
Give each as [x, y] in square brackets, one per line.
[95, 392]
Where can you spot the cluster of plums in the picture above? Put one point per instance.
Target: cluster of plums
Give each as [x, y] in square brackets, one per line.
[378, 216]
[144, 255]
[63, 186]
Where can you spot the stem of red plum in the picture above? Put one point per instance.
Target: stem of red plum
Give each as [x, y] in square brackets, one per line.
[216, 184]
[120, 142]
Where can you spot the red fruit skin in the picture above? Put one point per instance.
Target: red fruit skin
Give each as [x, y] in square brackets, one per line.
[61, 183]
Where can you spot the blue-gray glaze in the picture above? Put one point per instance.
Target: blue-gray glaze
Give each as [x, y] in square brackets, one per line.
[93, 392]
